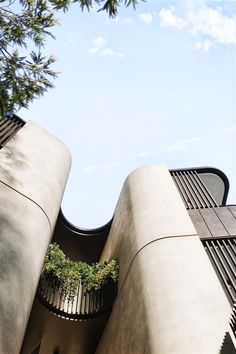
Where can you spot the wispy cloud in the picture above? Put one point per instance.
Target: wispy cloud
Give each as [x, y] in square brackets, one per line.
[229, 128]
[213, 24]
[168, 18]
[120, 20]
[108, 52]
[208, 25]
[97, 44]
[204, 45]
[147, 18]
[145, 154]
[178, 145]
[183, 144]
[101, 167]
[99, 47]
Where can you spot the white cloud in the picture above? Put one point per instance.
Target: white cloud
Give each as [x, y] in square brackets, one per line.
[97, 44]
[127, 20]
[146, 18]
[178, 145]
[99, 41]
[120, 20]
[101, 167]
[212, 23]
[108, 52]
[145, 154]
[100, 47]
[169, 19]
[204, 45]
[229, 128]
[209, 26]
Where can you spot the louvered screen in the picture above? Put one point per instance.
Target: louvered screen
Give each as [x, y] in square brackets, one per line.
[8, 127]
[192, 190]
[222, 253]
[233, 320]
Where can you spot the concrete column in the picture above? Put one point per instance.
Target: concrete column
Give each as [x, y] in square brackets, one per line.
[170, 300]
[33, 174]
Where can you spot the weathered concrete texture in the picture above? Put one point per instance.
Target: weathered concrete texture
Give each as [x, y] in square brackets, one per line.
[24, 237]
[170, 300]
[36, 164]
[33, 174]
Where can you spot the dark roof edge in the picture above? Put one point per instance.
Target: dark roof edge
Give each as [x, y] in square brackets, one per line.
[212, 170]
[84, 232]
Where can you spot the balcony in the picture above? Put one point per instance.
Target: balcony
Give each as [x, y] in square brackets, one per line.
[76, 290]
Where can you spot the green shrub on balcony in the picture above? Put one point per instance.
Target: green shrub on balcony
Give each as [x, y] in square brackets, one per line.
[69, 274]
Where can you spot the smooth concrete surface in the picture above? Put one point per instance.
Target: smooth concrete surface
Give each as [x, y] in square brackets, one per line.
[33, 174]
[149, 208]
[170, 300]
[171, 303]
[59, 336]
[36, 164]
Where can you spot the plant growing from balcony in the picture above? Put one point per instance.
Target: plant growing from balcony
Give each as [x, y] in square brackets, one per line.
[68, 274]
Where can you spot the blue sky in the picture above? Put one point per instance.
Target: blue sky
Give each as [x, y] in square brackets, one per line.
[154, 86]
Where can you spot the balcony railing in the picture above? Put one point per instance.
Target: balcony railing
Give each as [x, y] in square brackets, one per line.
[9, 126]
[79, 304]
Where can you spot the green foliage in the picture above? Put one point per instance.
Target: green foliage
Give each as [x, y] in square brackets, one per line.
[69, 274]
[28, 23]
[24, 77]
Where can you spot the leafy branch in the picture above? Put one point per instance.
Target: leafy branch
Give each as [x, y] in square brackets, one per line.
[24, 78]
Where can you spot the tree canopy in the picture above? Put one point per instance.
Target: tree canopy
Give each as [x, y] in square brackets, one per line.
[27, 74]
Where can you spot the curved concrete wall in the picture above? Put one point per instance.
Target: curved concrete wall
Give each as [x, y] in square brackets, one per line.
[170, 300]
[34, 171]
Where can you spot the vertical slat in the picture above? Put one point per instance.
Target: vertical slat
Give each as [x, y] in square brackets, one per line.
[9, 127]
[180, 188]
[223, 257]
[188, 190]
[82, 305]
[192, 190]
[199, 192]
[208, 195]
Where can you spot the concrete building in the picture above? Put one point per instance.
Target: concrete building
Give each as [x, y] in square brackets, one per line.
[174, 236]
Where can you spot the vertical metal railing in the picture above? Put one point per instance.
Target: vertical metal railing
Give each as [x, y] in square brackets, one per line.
[79, 304]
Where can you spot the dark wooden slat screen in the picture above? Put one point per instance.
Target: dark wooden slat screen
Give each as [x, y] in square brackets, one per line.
[193, 191]
[222, 254]
[9, 126]
[83, 305]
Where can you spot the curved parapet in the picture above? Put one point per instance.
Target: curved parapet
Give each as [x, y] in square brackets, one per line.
[80, 244]
[34, 170]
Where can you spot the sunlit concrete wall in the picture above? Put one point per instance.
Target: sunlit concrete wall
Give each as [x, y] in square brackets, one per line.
[170, 300]
[33, 174]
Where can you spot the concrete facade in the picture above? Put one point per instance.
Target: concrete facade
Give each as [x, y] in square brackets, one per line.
[169, 301]
[34, 170]
[166, 282]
